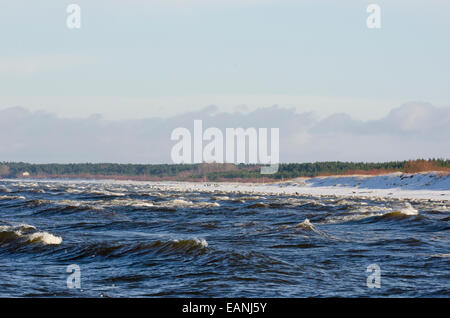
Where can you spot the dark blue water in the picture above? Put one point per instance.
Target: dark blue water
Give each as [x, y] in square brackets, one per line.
[144, 239]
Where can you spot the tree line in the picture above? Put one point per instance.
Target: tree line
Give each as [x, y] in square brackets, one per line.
[216, 171]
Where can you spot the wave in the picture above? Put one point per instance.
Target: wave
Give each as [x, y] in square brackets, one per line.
[4, 189]
[49, 207]
[350, 218]
[403, 213]
[105, 193]
[313, 205]
[181, 245]
[440, 255]
[21, 234]
[307, 226]
[396, 215]
[62, 205]
[369, 217]
[398, 242]
[120, 250]
[299, 245]
[206, 204]
[257, 205]
[220, 198]
[409, 210]
[183, 204]
[44, 238]
[127, 203]
[375, 214]
[79, 205]
[12, 197]
[252, 198]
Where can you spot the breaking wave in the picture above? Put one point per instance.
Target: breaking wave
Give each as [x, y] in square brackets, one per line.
[306, 225]
[375, 214]
[27, 234]
[44, 238]
[409, 210]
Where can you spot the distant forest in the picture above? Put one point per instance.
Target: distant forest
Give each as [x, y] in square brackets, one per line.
[212, 171]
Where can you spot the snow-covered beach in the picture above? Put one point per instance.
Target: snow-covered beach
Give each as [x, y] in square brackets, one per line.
[422, 186]
[430, 185]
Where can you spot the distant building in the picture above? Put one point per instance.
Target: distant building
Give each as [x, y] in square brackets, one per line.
[25, 174]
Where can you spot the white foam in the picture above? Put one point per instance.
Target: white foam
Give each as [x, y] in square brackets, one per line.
[207, 204]
[441, 255]
[201, 242]
[409, 210]
[221, 198]
[142, 204]
[45, 238]
[36, 237]
[12, 197]
[17, 228]
[306, 224]
[181, 202]
[348, 218]
[184, 203]
[26, 227]
[4, 228]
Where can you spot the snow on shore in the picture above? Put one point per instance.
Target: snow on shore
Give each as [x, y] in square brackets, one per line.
[431, 185]
[417, 181]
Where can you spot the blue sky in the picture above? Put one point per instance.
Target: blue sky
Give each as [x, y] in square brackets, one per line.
[116, 88]
[134, 59]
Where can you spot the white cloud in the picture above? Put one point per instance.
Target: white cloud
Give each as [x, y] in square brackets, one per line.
[112, 107]
[413, 130]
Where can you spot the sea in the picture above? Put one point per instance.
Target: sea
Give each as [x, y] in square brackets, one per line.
[75, 238]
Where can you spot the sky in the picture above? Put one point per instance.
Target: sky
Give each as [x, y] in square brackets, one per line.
[155, 61]
[410, 131]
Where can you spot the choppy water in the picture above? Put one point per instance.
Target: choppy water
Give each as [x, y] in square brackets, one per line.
[142, 239]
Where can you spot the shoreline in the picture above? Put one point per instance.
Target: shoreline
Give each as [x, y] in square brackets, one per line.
[422, 186]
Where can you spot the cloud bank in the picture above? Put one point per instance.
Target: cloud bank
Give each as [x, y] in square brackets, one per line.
[413, 130]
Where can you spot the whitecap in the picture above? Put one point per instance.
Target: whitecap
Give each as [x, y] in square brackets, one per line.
[441, 255]
[409, 210]
[45, 238]
[201, 242]
[180, 202]
[307, 225]
[207, 204]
